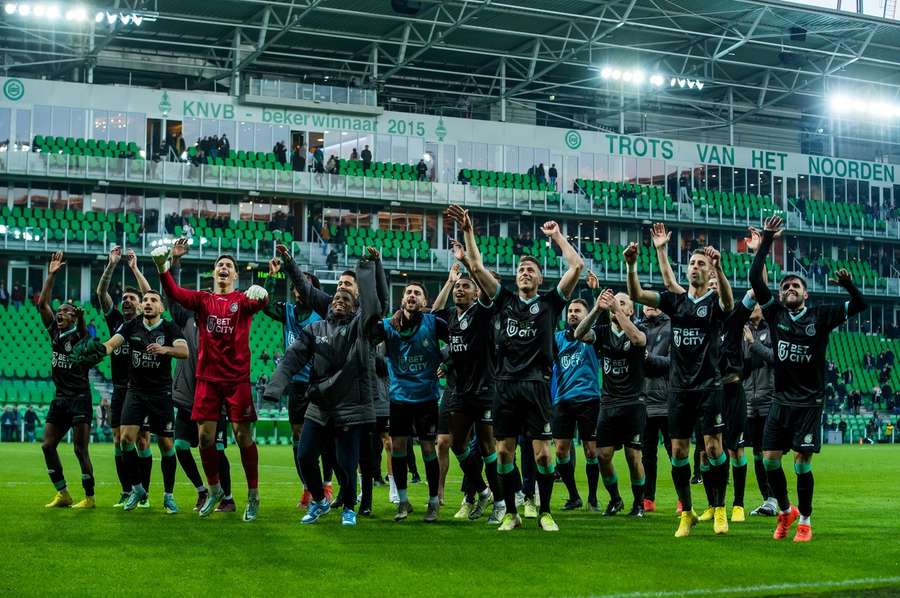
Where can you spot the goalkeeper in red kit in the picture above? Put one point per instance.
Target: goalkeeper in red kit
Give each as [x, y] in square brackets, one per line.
[223, 318]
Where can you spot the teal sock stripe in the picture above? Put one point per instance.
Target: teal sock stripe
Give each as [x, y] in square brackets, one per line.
[771, 464]
[429, 458]
[639, 482]
[117, 451]
[145, 452]
[491, 458]
[593, 461]
[546, 470]
[398, 455]
[739, 461]
[503, 468]
[717, 461]
[757, 457]
[182, 445]
[169, 453]
[220, 446]
[704, 467]
[802, 468]
[129, 446]
[462, 456]
[609, 481]
[676, 462]
[563, 460]
[60, 485]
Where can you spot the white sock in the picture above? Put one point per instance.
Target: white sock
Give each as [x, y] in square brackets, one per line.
[485, 493]
[201, 488]
[804, 520]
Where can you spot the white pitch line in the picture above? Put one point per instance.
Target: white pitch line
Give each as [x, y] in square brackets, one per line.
[780, 587]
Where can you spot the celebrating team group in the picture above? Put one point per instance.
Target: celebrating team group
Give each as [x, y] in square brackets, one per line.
[696, 363]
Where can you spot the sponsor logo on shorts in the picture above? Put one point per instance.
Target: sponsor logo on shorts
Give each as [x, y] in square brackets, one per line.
[636, 439]
[546, 428]
[168, 427]
[808, 439]
[718, 419]
[702, 311]
[487, 415]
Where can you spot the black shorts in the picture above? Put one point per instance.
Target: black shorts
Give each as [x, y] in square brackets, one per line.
[382, 425]
[414, 419]
[189, 431]
[567, 415]
[116, 404]
[443, 425]
[689, 407]
[620, 426]
[793, 428]
[156, 411]
[478, 408]
[297, 402]
[756, 425]
[735, 412]
[68, 411]
[523, 407]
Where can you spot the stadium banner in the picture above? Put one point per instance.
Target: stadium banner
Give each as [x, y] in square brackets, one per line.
[174, 104]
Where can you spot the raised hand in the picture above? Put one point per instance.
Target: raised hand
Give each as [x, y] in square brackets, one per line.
[631, 253]
[115, 254]
[607, 301]
[550, 228]
[841, 278]
[274, 266]
[460, 216]
[56, 262]
[131, 259]
[454, 274]
[754, 240]
[372, 254]
[281, 249]
[748, 336]
[774, 224]
[459, 251]
[592, 281]
[659, 235]
[713, 254]
[180, 248]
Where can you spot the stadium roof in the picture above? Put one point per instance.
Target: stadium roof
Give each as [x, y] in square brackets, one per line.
[776, 58]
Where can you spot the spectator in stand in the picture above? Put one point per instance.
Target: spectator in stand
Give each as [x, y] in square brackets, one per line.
[868, 361]
[331, 167]
[17, 295]
[531, 171]
[354, 155]
[887, 395]
[4, 295]
[855, 402]
[523, 243]
[422, 170]
[8, 422]
[32, 421]
[871, 432]
[842, 427]
[831, 373]
[552, 174]
[885, 375]
[224, 146]
[847, 377]
[461, 177]
[889, 432]
[92, 329]
[101, 414]
[540, 173]
[298, 159]
[310, 158]
[265, 357]
[260, 388]
[331, 260]
[280, 151]
[187, 231]
[319, 159]
[366, 156]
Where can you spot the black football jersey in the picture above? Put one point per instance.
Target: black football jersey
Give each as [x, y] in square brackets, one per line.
[149, 372]
[732, 339]
[120, 360]
[70, 380]
[696, 330]
[622, 364]
[470, 348]
[525, 334]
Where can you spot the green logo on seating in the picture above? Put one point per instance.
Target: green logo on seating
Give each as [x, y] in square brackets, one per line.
[573, 139]
[13, 89]
[441, 130]
[164, 104]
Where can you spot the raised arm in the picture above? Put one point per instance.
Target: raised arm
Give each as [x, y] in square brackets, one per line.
[753, 245]
[474, 262]
[178, 350]
[637, 294]
[295, 358]
[726, 297]
[114, 342]
[131, 259]
[106, 302]
[634, 334]
[381, 286]
[274, 309]
[661, 239]
[56, 264]
[772, 226]
[316, 299]
[369, 306]
[569, 280]
[584, 331]
[441, 300]
[857, 303]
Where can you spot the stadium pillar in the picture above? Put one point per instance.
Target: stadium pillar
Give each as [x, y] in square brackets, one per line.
[503, 89]
[621, 111]
[374, 61]
[235, 61]
[730, 116]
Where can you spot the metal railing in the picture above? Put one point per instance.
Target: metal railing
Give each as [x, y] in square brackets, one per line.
[312, 92]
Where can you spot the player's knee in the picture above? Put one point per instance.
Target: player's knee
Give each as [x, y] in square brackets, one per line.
[505, 453]
[48, 446]
[81, 451]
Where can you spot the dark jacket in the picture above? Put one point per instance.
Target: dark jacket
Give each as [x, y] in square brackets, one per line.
[656, 365]
[185, 369]
[382, 383]
[341, 350]
[759, 371]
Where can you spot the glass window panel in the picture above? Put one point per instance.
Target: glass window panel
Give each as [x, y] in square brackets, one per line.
[23, 127]
[118, 126]
[526, 159]
[399, 149]
[101, 124]
[42, 121]
[60, 122]
[510, 158]
[77, 123]
[713, 174]
[630, 169]
[815, 187]
[4, 130]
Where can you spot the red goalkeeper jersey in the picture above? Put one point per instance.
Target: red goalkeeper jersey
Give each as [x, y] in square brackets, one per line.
[224, 324]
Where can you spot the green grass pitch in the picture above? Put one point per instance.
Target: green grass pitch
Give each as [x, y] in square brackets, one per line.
[106, 552]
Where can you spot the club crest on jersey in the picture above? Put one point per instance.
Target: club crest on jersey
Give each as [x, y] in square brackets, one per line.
[68, 346]
[811, 330]
[233, 307]
[487, 415]
[534, 309]
[702, 311]
[464, 323]
[636, 439]
[627, 346]
[762, 336]
[160, 340]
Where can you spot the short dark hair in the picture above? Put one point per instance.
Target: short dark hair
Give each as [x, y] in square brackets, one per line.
[792, 275]
[227, 256]
[416, 283]
[131, 290]
[349, 273]
[152, 292]
[313, 280]
[532, 259]
[699, 252]
[581, 301]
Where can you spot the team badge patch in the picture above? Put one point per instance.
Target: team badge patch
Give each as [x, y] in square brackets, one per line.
[636, 439]
[762, 336]
[68, 346]
[808, 439]
[627, 346]
[535, 308]
[718, 419]
[702, 311]
[233, 307]
[811, 330]
[160, 340]
[464, 323]
[546, 428]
